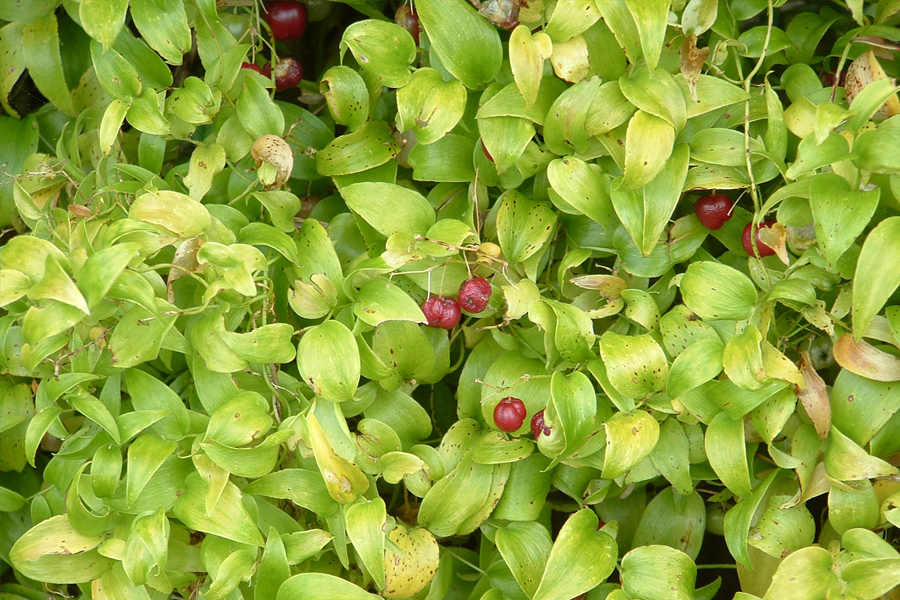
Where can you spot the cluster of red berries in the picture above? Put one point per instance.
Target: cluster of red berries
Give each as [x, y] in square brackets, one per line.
[510, 413]
[713, 211]
[444, 312]
[287, 20]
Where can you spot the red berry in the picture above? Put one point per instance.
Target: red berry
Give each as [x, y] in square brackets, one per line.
[441, 312]
[713, 211]
[408, 19]
[538, 426]
[288, 73]
[748, 245]
[474, 295]
[509, 414]
[286, 19]
[486, 153]
[252, 67]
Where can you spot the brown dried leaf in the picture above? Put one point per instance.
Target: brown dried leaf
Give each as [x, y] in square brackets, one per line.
[814, 398]
[865, 360]
[692, 59]
[775, 237]
[184, 262]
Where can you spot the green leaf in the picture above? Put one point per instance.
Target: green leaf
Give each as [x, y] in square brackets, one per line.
[256, 111]
[429, 107]
[240, 421]
[727, 453]
[698, 363]
[467, 45]
[145, 456]
[584, 187]
[40, 41]
[581, 558]
[698, 16]
[672, 520]
[671, 455]
[303, 487]
[379, 300]
[742, 359]
[648, 145]
[382, 48]
[847, 461]
[526, 548]
[855, 504]
[456, 497]
[54, 552]
[738, 519]
[344, 480]
[206, 162]
[646, 212]
[57, 285]
[656, 93]
[651, 17]
[390, 208]
[447, 160]
[370, 146]
[526, 59]
[229, 519]
[636, 365]
[267, 344]
[523, 225]
[658, 572]
[22, 139]
[312, 586]
[871, 578]
[178, 213]
[328, 359]
[149, 393]
[840, 214]
[97, 412]
[102, 19]
[872, 284]
[715, 291]
[365, 528]
[629, 440]
[780, 530]
[346, 95]
[874, 149]
[805, 574]
[164, 25]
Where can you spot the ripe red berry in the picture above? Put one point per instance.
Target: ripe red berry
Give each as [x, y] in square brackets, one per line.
[509, 414]
[748, 245]
[252, 67]
[286, 19]
[486, 153]
[538, 426]
[713, 211]
[474, 295]
[441, 312]
[288, 73]
[408, 19]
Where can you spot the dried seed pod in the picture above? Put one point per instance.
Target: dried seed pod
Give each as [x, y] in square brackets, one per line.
[863, 71]
[275, 151]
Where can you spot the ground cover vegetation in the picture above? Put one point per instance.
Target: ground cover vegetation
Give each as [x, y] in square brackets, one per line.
[494, 300]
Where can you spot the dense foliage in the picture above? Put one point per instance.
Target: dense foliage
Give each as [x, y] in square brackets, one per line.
[541, 300]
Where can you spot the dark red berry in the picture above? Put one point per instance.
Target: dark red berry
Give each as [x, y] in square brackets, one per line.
[538, 426]
[474, 295]
[509, 414]
[252, 67]
[713, 211]
[408, 19]
[286, 19]
[441, 312]
[486, 153]
[288, 73]
[748, 245]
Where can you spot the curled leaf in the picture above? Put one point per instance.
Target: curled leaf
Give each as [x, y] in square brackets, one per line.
[865, 360]
[815, 397]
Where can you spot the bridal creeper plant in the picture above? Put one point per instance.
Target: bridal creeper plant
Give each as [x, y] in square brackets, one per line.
[213, 387]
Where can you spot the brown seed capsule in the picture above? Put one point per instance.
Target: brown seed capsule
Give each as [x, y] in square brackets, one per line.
[275, 151]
